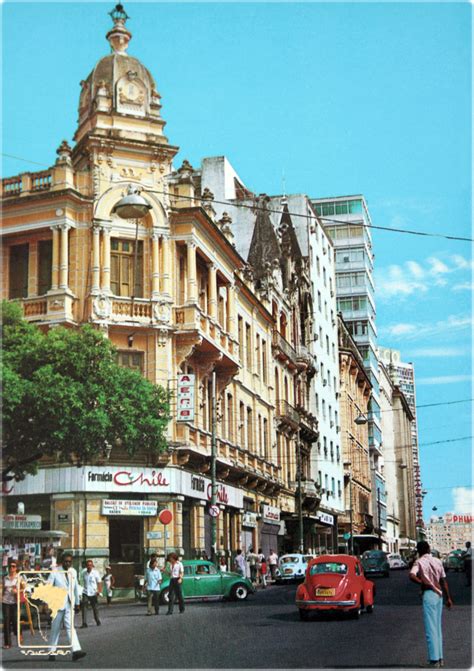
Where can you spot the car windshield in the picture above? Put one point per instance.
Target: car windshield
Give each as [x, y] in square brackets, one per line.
[328, 567]
[289, 560]
[394, 556]
[373, 554]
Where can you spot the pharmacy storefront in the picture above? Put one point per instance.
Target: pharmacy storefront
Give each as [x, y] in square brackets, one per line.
[111, 513]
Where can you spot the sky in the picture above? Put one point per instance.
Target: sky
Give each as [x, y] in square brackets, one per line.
[325, 99]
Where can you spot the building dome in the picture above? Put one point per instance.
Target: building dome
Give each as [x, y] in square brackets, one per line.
[119, 82]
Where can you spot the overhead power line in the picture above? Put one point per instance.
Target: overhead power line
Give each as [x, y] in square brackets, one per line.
[255, 207]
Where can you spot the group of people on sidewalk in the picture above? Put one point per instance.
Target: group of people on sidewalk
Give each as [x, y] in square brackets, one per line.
[256, 566]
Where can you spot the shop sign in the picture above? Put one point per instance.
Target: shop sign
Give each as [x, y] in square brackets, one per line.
[325, 518]
[185, 398]
[122, 507]
[249, 520]
[199, 487]
[271, 514]
[21, 521]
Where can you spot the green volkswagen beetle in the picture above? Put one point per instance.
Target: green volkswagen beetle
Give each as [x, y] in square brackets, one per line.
[203, 581]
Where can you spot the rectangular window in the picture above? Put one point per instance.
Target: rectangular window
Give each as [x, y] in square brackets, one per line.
[242, 424]
[258, 354]
[264, 361]
[318, 265]
[133, 360]
[18, 271]
[333, 486]
[45, 266]
[319, 301]
[324, 277]
[124, 281]
[248, 346]
[265, 438]
[250, 445]
[230, 418]
[327, 344]
[240, 336]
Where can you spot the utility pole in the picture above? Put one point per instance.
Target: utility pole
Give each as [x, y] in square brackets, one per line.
[213, 467]
[300, 498]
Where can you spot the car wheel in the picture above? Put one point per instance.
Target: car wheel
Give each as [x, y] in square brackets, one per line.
[165, 596]
[304, 615]
[369, 609]
[240, 592]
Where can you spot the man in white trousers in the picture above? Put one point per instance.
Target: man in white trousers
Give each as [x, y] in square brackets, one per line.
[67, 579]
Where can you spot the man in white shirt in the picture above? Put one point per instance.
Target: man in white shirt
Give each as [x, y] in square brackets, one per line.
[66, 579]
[92, 586]
[273, 562]
[176, 583]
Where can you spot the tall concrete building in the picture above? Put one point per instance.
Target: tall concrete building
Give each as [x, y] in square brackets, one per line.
[403, 375]
[449, 532]
[347, 221]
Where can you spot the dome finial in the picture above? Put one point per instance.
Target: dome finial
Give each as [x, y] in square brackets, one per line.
[119, 36]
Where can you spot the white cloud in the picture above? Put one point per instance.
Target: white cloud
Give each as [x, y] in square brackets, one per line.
[463, 500]
[422, 329]
[420, 276]
[464, 286]
[438, 352]
[443, 379]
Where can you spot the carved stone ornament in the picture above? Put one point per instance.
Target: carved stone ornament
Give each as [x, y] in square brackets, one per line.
[102, 306]
[162, 312]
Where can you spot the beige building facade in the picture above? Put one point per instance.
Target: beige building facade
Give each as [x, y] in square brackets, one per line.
[172, 293]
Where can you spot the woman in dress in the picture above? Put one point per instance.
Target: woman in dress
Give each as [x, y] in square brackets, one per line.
[109, 582]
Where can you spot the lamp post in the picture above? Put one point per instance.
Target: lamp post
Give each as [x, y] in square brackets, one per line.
[300, 498]
[351, 530]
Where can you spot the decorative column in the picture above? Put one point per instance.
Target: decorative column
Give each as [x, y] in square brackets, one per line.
[106, 260]
[212, 279]
[155, 266]
[55, 260]
[95, 258]
[64, 257]
[231, 310]
[192, 283]
[166, 258]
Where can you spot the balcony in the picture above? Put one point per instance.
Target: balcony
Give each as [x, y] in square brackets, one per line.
[308, 425]
[305, 360]
[283, 350]
[60, 306]
[287, 414]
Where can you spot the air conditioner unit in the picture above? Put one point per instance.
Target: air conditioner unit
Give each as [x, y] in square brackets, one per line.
[325, 383]
[325, 250]
[331, 424]
[332, 293]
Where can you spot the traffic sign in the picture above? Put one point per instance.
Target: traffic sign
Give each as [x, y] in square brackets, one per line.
[165, 516]
[214, 511]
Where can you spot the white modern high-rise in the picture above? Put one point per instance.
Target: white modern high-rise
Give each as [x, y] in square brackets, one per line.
[346, 220]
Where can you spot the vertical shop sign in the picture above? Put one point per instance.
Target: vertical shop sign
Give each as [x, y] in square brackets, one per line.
[185, 398]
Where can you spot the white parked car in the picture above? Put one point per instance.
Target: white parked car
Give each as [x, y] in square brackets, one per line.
[395, 561]
[292, 567]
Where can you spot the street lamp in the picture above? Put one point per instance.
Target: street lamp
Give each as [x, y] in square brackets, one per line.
[351, 537]
[132, 206]
[361, 419]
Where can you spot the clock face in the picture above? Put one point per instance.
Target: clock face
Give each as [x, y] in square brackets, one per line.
[132, 92]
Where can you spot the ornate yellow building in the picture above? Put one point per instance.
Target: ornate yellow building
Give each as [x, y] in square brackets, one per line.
[171, 292]
[356, 525]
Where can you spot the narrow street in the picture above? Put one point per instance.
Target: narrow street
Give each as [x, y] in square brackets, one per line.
[265, 632]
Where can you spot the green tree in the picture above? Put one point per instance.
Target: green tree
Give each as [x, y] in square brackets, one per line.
[65, 395]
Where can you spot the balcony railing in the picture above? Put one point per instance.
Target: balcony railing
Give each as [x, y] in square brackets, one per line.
[283, 347]
[287, 413]
[305, 357]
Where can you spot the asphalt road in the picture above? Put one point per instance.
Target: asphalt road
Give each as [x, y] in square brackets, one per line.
[265, 632]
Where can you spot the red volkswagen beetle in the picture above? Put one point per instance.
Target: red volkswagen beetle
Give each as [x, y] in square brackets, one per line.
[335, 582]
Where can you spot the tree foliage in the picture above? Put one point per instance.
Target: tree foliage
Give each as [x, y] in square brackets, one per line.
[65, 395]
